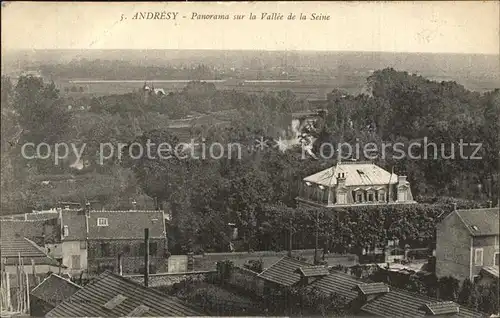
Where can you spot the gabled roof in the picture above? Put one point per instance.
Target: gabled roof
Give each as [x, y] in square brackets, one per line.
[55, 289]
[35, 215]
[135, 298]
[392, 302]
[284, 272]
[126, 224]
[32, 229]
[480, 221]
[372, 288]
[338, 283]
[356, 174]
[12, 249]
[400, 303]
[312, 271]
[442, 308]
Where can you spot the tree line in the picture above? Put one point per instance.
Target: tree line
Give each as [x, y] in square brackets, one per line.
[256, 192]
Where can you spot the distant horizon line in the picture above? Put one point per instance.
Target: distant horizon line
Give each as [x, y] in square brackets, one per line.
[250, 50]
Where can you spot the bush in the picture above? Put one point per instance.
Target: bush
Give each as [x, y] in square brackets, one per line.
[255, 265]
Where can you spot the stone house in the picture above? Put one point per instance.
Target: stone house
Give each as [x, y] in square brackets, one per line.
[115, 239]
[467, 243]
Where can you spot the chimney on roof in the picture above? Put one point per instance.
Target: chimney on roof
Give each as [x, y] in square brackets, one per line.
[454, 206]
[402, 179]
[87, 209]
[341, 179]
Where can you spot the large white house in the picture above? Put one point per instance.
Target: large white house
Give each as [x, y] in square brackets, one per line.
[354, 183]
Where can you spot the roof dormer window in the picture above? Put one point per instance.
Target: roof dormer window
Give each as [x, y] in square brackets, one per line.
[102, 221]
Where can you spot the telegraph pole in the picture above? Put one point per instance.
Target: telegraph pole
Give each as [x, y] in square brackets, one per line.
[146, 257]
[290, 239]
[317, 235]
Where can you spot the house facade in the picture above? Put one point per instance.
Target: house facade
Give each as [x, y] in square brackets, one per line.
[115, 241]
[92, 241]
[467, 244]
[354, 183]
[71, 248]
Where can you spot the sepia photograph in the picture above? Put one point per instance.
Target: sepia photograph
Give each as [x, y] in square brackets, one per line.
[239, 159]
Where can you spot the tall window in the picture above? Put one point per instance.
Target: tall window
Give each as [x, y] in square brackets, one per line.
[381, 196]
[496, 259]
[105, 250]
[75, 261]
[478, 257]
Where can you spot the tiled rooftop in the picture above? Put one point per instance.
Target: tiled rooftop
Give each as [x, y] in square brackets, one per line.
[126, 224]
[129, 298]
[481, 221]
[356, 173]
[338, 283]
[442, 308]
[12, 249]
[400, 303]
[55, 289]
[284, 272]
[372, 288]
[312, 271]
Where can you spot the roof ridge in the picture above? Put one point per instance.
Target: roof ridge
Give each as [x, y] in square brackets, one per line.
[317, 266]
[123, 211]
[81, 290]
[284, 257]
[22, 220]
[36, 246]
[271, 266]
[67, 280]
[57, 276]
[39, 284]
[478, 209]
[463, 222]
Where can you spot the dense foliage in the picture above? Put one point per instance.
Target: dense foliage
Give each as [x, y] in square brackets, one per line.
[256, 192]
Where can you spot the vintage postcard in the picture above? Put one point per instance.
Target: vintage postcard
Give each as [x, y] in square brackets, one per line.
[323, 158]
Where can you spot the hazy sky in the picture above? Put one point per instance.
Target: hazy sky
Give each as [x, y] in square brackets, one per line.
[457, 27]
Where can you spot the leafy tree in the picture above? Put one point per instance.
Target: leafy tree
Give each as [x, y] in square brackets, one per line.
[488, 298]
[448, 288]
[39, 107]
[255, 265]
